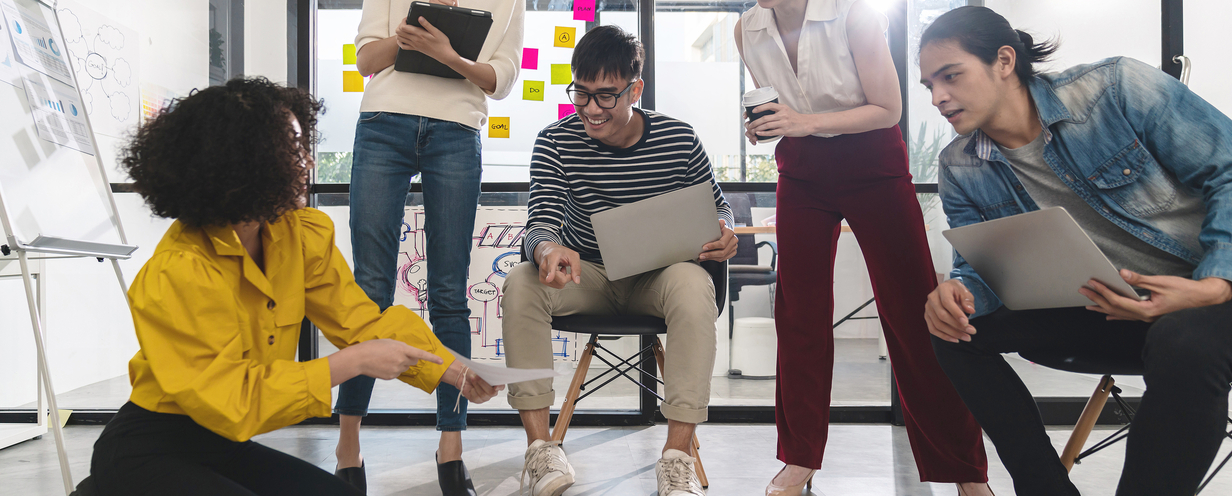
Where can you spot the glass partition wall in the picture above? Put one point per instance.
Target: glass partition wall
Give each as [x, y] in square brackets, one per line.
[695, 74]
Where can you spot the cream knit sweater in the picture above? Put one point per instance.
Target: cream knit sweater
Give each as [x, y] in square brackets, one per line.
[457, 100]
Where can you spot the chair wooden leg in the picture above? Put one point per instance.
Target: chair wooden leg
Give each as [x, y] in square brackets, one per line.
[697, 466]
[575, 390]
[1086, 422]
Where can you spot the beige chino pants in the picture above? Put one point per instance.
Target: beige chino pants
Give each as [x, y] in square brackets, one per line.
[681, 294]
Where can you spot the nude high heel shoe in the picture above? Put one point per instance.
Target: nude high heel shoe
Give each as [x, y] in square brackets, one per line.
[776, 490]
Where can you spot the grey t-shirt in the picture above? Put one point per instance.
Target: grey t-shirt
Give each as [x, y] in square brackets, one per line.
[1123, 249]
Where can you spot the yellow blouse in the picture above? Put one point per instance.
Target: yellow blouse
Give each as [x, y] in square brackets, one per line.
[218, 336]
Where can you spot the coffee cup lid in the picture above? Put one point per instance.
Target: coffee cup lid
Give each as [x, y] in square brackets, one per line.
[760, 95]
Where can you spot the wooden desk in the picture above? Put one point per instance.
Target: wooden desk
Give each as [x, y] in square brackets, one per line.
[769, 229]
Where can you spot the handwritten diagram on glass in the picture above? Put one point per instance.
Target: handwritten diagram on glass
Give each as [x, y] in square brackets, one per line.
[496, 249]
[105, 56]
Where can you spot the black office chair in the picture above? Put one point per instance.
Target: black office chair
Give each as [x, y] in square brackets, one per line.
[620, 326]
[744, 269]
[1069, 362]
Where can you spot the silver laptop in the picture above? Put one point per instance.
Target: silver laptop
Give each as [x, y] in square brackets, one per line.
[1036, 260]
[656, 232]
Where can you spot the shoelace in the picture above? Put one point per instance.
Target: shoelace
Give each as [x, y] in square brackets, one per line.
[542, 460]
[457, 404]
[679, 475]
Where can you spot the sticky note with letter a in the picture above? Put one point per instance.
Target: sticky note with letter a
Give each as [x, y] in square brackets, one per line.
[498, 127]
[532, 90]
[352, 82]
[562, 74]
[565, 110]
[564, 37]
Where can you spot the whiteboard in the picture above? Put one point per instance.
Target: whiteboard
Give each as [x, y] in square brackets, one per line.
[47, 189]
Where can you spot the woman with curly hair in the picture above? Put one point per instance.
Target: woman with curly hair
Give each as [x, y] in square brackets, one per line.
[217, 309]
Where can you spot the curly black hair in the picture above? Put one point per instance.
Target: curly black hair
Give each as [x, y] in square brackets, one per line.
[226, 154]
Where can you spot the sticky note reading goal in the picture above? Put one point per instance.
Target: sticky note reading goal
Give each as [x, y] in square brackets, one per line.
[564, 37]
[498, 127]
[532, 90]
[562, 74]
[352, 82]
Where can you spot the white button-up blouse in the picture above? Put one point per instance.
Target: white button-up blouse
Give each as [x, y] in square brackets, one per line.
[827, 80]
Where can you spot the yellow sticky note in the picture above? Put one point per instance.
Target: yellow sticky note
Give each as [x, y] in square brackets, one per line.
[352, 82]
[498, 127]
[564, 37]
[348, 54]
[532, 90]
[562, 74]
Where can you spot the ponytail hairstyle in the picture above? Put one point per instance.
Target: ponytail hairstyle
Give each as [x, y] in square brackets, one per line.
[981, 32]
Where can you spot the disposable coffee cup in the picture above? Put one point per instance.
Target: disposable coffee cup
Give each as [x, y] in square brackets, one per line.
[757, 98]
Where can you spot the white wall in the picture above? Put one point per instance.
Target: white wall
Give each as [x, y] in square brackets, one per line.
[1206, 22]
[265, 39]
[1089, 30]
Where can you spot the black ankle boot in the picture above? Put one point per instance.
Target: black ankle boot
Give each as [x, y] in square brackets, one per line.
[455, 479]
[354, 476]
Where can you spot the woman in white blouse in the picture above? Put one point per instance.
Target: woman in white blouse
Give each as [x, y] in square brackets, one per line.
[842, 156]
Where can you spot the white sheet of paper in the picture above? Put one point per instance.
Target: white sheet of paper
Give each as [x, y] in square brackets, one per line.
[497, 375]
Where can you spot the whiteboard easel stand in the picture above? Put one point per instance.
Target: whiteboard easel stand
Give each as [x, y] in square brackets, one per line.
[65, 249]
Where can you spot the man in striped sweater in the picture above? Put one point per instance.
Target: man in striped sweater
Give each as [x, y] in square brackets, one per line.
[606, 155]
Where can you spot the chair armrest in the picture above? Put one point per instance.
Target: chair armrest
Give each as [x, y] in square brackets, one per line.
[774, 252]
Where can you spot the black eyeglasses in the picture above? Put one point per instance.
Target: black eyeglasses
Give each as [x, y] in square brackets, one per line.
[604, 100]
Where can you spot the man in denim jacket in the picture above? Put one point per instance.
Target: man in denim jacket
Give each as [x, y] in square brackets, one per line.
[1145, 167]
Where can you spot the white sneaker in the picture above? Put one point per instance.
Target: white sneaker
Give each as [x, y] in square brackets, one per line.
[676, 475]
[550, 472]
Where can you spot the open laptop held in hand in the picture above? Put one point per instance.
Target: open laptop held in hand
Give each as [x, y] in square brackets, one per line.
[656, 232]
[1037, 259]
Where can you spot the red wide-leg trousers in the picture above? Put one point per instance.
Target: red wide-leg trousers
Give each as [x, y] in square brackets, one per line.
[863, 178]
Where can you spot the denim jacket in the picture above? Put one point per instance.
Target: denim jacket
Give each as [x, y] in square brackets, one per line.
[1127, 138]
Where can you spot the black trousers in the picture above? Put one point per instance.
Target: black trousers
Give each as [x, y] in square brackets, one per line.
[146, 453]
[1178, 428]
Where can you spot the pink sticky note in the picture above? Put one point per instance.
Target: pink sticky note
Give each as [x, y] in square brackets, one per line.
[584, 10]
[565, 110]
[530, 58]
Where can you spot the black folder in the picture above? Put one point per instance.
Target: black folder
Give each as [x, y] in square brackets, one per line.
[466, 29]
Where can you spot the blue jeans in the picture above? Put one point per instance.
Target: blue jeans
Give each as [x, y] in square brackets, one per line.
[390, 149]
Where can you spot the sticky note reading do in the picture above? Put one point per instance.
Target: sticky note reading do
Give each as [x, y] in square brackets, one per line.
[498, 127]
[532, 90]
[564, 37]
